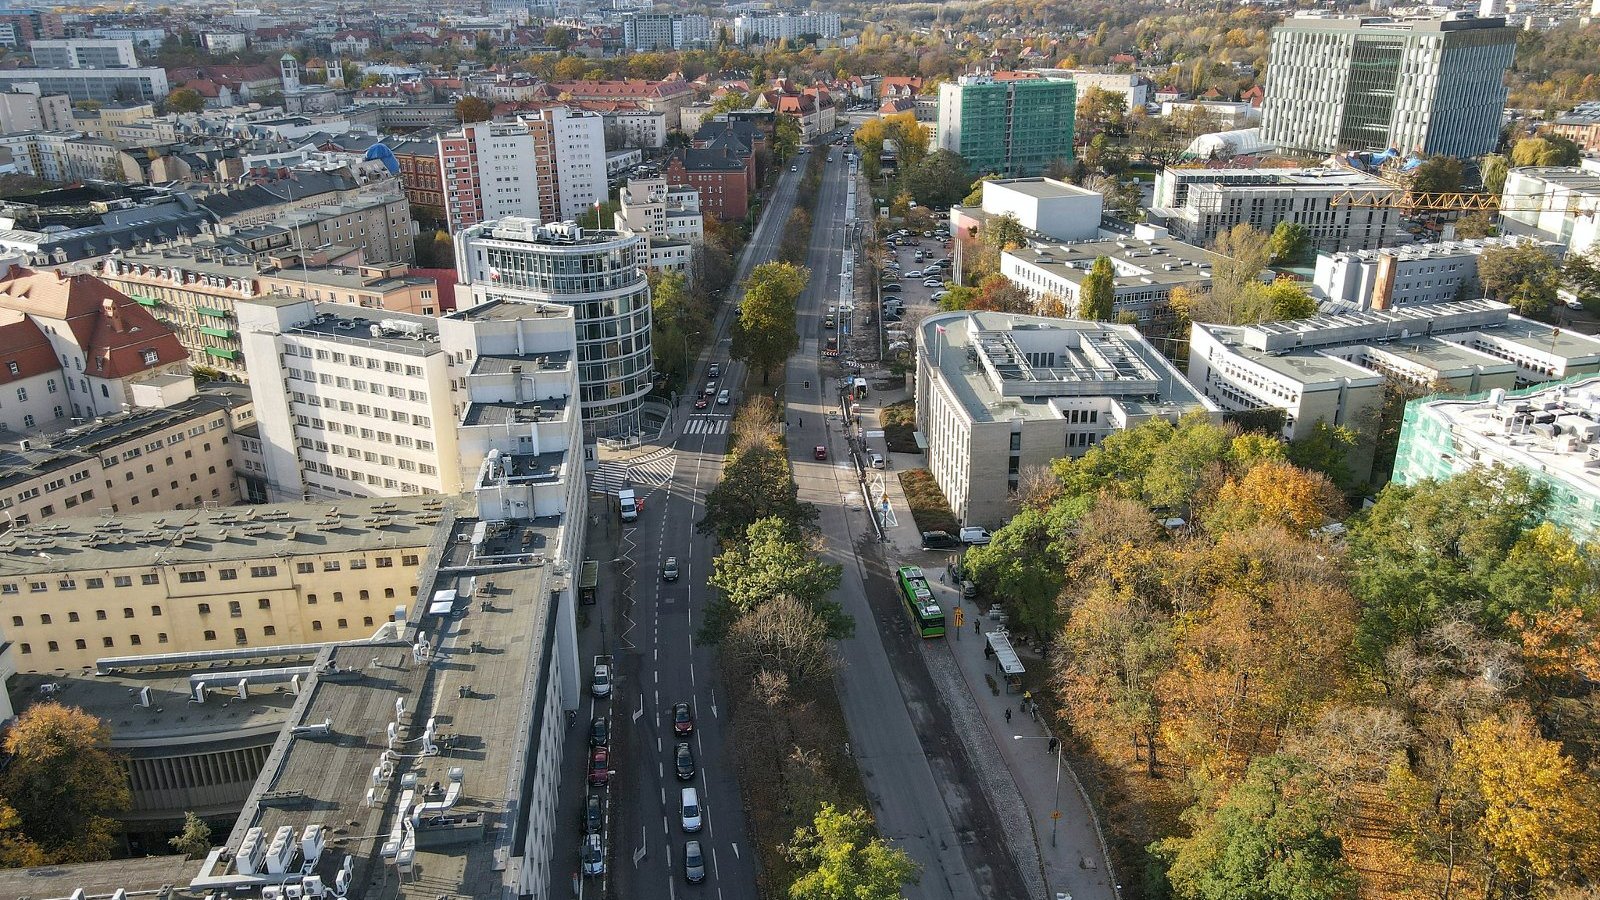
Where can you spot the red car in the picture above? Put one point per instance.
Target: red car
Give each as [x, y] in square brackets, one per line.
[682, 719]
[600, 766]
[821, 452]
[699, 403]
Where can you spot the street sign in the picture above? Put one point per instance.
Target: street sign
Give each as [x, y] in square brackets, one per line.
[960, 616]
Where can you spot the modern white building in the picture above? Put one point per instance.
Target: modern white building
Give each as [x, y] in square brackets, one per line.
[84, 53]
[578, 148]
[771, 27]
[1196, 204]
[350, 402]
[998, 393]
[653, 207]
[25, 110]
[488, 173]
[1402, 276]
[1135, 88]
[665, 31]
[599, 273]
[99, 85]
[1332, 368]
[1051, 209]
[1146, 270]
[1370, 83]
[1553, 203]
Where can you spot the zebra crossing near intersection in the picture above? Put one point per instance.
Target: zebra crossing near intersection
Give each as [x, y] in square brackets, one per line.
[707, 425]
[644, 474]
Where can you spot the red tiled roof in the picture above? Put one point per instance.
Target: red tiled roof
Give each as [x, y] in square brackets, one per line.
[23, 345]
[113, 331]
[621, 90]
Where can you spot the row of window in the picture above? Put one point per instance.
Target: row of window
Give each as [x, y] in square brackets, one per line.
[198, 576]
[240, 636]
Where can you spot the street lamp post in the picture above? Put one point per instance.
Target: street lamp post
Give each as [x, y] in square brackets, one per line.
[686, 372]
[1055, 811]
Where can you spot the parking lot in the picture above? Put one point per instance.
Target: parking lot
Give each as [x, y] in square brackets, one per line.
[909, 274]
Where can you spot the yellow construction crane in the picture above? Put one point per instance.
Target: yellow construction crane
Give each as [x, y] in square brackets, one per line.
[1409, 201]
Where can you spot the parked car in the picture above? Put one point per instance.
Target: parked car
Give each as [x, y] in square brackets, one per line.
[969, 590]
[891, 288]
[601, 685]
[594, 855]
[820, 452]
[914, 273]
[669, 569]
[939, 540]
[974, 535]
[600, 766]
[594, 815]
[694, 864]
[682, 718]
[878, 461]
[938, 295]
[599, 732]
[932, 282]
[683, 761]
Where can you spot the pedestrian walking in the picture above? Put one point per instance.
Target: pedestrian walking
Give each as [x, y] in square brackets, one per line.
[1008, 714]
[800, 421]
[977, 628]
[1051, 747]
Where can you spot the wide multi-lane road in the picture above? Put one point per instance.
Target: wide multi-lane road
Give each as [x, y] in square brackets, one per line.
[659, 662]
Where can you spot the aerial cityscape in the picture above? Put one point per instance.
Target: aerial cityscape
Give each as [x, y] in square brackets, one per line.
[987, 450]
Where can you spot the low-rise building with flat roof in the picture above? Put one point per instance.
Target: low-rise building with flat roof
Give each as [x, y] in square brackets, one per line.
[1549, 433]
[1401, 276]
[1552, 203]
[1333, 368]
[998, 392]
[1146, 270]
[1197, 204]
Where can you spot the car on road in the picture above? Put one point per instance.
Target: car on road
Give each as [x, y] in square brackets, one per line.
[722, 398]
[594, 855]
[878, 461]
[682, 718]
[969, 590]
[971, 534]
[933, 282]
[710, 391]
[939, 540]
[594, 815]
[715, 370]
[600, 766]
[820, 452]
[683, 761]
[601, 685]
[690, 814]
[599, 732]
[669, 569]
[794, 168]
[701, 403]
[694, 864]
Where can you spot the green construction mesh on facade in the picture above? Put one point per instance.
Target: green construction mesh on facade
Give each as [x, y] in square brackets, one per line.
[1428, 449]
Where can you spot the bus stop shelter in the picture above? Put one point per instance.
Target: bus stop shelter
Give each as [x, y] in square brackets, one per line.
[1006, 663]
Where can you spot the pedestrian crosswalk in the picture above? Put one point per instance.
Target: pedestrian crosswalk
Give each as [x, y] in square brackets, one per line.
[643, 475]
[706, 425]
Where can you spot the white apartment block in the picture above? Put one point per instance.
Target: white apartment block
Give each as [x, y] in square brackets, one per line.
[42, 154]
[1145, 272]
[578, 144]
[113, 85]
[998, 393]
[23, 110]
[772, 27]
[639, 127]
[84, 53]
[1135, 88]
[665, 31]
[1370, 83]
[1332, 368]
[1197, 204]
[488, 172]
[347, 405]
[652, 207]
[1553, 203]
[1402, 276]
[601, 274]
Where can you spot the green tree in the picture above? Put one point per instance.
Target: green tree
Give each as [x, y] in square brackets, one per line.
[1545, 150]
[1022, 566]
[975, 196]
[756, 484]
[557, 37]
[839, 859]
[1326, 449]
[1475, 225]
[473, 109]
[1098, 292]
[185, 100]
[1437, 174]
[772, 560]
[729, 102]
[1004, 232]
[66, 788]
[1524, 275]
[764, 333]
[786, 142]
[1269, 839]
[1492, 171]
[940, 180]
[1288, 242]
[195, 839]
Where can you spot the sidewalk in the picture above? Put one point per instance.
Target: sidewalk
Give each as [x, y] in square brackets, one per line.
[1024, 791]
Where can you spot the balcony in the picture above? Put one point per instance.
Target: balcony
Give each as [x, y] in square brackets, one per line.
[213, 313]
[144, 301]
[215, 331]
[222, 352]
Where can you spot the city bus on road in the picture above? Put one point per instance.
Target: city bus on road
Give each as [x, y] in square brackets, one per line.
[926, 616]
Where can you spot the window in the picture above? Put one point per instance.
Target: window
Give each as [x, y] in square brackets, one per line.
[9, 587]
[211, 635]
[150, 578]
[305, 568]
[108, 642]
[270, 630]
[388, 593]
[161, 637]
[127, 612]
[409, 559]
[94, 584]
[316, 624]
[358, 564]
[365, 595]
[204, 609]
[54, 646]
[67, 584]
[38, 587]
[239, 637]
[263, 603]
[383, 562]
[16, 621]
[234, 609]
[72, 617]
[311, 599]
[228, 574]
[134, 640]
[330, 565]
[44, 619]
[122, 581]
[367, 621]
[27, 649]
[99, 615]
[155, 610]
[191, 577]
[344, 623]
[263, 571]
[81, 644]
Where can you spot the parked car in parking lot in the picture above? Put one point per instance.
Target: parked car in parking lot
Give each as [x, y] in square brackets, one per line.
[914, 273]
[932, 282]
[972, 534]
[890, 288]
[939, 540]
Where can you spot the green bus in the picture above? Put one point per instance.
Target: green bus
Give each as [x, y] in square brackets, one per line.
[926, 615]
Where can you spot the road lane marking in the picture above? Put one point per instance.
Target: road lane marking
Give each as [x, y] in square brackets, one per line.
[735, 850]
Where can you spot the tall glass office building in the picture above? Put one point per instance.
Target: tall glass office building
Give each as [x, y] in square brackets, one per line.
[599, 273]
[1423, 85]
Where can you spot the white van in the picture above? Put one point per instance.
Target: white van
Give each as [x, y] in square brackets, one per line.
[691, 810]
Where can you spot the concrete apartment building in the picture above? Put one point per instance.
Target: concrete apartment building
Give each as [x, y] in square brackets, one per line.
[349, 403]
[1197, 204]
[666, 97]
[1146, 270]
[101, 85]
[1553, 203]
[780, 26]
[1547, 432]
[1010, 123]
[1332, 368]
[576, 143]
[178, 456]
[1370, 83]
[489, 172]
[997, 393]
[22, 109]
[83, 53]
[643, 31]
[601, 274]
[1401, 276]
[669, 217]
[1580, 124]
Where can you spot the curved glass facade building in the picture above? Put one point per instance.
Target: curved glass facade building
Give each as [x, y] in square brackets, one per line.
[599, 273]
